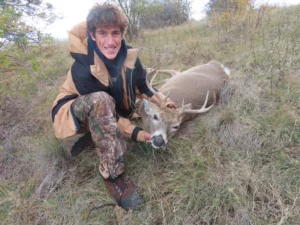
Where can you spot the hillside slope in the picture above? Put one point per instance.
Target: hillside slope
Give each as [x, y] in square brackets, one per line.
[238, 164]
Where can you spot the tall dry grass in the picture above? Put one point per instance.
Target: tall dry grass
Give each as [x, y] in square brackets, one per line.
[238, 164]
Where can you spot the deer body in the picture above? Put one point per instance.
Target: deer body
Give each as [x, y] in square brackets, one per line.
[191, 86]
[196, 87]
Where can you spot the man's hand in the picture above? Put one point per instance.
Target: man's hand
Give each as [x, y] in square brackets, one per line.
[143, 136]
[170, 104]
[147, 136]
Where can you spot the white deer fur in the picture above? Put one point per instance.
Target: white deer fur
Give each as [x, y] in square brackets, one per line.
[193, 87]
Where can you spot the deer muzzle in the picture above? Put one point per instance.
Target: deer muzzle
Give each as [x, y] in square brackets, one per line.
[158, 141]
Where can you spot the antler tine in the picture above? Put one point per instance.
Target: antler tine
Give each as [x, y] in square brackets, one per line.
[170, 72]
[149, 85]
[203, 108]
[182, 103]
[153, 77]
[167, 96]
[162, 101]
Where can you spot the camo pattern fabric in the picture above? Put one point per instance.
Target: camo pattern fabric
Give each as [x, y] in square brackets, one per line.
[96, 112]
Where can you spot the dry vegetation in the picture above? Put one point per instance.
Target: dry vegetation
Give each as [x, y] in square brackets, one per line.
[238, 164]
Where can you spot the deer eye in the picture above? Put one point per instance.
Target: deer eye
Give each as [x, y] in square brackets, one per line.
[175, 127]
[155, 117]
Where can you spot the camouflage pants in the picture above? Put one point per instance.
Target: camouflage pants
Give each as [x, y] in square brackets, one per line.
[96, 112]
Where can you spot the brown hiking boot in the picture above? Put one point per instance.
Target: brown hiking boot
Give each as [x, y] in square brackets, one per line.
[124, 192]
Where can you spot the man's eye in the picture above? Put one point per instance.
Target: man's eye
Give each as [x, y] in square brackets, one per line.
[155, 117]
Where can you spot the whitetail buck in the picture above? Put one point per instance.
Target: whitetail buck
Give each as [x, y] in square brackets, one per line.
[190, 89]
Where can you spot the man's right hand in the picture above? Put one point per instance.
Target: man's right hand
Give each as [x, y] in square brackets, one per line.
[143, 136]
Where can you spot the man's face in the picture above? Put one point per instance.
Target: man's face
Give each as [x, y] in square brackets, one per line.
[108, 39]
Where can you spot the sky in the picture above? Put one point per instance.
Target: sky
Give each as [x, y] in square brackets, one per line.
[74, 12]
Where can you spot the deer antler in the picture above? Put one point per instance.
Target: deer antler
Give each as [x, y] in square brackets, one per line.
[170, 72]
[149, 85]
[203, 108]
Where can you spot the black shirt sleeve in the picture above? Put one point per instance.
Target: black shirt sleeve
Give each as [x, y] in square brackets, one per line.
[141, 79]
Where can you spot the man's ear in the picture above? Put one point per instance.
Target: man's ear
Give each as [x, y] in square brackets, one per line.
[93, 36]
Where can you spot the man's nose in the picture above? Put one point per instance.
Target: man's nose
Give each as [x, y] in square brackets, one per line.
[109, 39]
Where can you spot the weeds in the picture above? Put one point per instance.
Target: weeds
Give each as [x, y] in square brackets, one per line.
[238, 164]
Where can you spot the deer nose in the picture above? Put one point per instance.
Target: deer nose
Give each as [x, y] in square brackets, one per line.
[158, 141]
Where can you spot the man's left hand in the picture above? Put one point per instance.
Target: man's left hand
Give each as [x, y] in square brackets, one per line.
[171, 105]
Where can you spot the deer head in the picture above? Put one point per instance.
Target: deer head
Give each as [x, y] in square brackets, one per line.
[163, 122]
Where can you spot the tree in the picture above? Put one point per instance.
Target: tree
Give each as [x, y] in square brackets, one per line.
[18, 32]
[17, 19]
[166, 13]
[227, 8]
[153, 14]
[225, 13]
[133, 9]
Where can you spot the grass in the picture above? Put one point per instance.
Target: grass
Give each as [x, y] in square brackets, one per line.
[238, 164]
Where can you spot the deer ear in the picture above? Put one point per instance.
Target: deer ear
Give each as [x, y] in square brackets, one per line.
[147, 107]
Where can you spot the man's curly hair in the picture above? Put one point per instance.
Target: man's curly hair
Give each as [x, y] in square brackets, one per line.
[106, 14]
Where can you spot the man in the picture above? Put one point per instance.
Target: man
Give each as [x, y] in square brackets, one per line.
[99, 95]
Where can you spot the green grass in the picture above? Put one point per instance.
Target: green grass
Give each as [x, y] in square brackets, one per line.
[237, 164]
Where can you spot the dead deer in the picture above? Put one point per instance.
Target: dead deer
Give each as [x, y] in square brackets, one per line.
[190, 89]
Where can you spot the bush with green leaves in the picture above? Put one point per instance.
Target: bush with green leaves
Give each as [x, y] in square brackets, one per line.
[17, 18]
